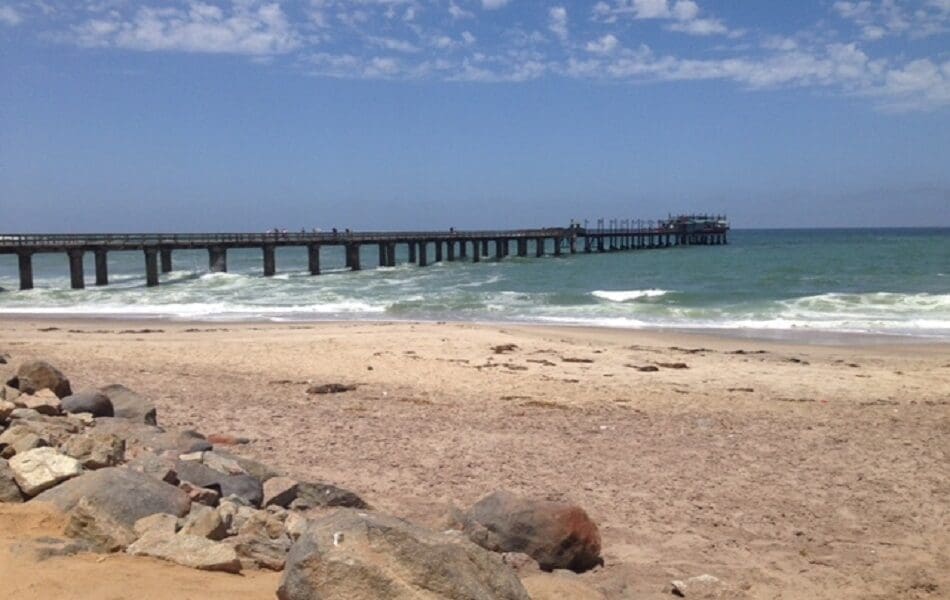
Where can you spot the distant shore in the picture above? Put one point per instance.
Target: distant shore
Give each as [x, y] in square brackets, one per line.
[779, 467]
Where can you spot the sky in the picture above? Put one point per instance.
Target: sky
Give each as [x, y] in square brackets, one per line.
[244, 115]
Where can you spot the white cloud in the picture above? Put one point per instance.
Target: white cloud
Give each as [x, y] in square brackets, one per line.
[876, 20]
[10, 16]
[457, 12]
[603, 45]
[493, 4]
[393, 44]
[683, 16]
[557, 21]
[248, 28]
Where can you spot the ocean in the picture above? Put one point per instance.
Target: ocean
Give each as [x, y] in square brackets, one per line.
[870, 281]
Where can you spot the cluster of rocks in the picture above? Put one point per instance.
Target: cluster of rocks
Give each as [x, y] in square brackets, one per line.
[128, 485]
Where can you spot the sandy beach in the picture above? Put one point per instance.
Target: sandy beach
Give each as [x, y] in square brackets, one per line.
[786, 470]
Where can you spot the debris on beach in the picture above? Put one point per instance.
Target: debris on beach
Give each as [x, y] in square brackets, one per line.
[331, 388]
[504, 348]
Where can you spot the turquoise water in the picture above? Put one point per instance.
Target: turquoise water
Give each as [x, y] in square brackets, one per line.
[887, 281]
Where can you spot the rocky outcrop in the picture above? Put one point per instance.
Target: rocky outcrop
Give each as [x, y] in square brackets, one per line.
[127, 404]
[88, 401]
[188, 550]
[39, 469]
[124, 494]
[363, 556]
[557, 535]
[36, 375]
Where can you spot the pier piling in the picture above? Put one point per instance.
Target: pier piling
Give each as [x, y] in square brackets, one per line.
[166, 256]
[313, 258]
[151, 267]
[270, 261]
[102, 267]
[77, 279]
[218, 259]
[25, 264]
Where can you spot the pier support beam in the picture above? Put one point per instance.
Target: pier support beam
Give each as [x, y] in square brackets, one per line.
[151, 267]
[25, 260]
[587, 244]
[573, 244]
[463, 249]
[102, 267]
[500, 249]
[450, 250]
[353, 256]
[600, 244]
[522, 247]
[166, 256]
[484, 247]
[422, 254]
[77, 278]
[383, 255]
[313, 258]
[390, 254]
[476, 251]
[218, 259]
[538, 247]
[270, 261]
[438, 251]
[412, 251]
[557, 246]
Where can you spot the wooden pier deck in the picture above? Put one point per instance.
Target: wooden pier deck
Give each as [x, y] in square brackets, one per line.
[448, 245]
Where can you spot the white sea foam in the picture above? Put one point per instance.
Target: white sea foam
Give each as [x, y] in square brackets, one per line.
[628, 295]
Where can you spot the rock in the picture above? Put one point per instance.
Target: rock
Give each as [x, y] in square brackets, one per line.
[545, 586]
[557, 535]
[201, 495]
[520, 562]
[160, 468]
[701, 586]
[24, 414]
[280, 491]
[160, 522]
[89, 401]
[225, 439]
[6, 408]
[261, 553]
[19, 438]
[192, 456]
[124, 494]
[43, 401]
[294, 525]
[363, 556]
[311, 495]
[140, 437]
[222, 463]
[39, 469]
[262, 524]
[96, 450]
[9, 393]
[37, 375]
[259, 470]
[9, 490]
[243, 486]
[92, 523]
[127, 404]
[54, 430]
[204, 522]
[188, 550]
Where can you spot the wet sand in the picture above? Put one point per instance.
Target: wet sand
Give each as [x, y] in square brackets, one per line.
[787, 470]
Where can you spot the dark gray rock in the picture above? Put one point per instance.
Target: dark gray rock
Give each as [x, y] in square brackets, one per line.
[9, 490]
[122, 493]
[140, 436]
[246, 487]
[88, 401]
[310, 495]
[366, 556]
[128, 404]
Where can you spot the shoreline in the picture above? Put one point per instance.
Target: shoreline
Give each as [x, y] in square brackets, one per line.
[804, 337]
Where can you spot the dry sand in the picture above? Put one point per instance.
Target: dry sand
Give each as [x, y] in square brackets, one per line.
[786, 470]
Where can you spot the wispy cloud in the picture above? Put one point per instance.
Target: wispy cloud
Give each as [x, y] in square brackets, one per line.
[9, 16]
[557, 21]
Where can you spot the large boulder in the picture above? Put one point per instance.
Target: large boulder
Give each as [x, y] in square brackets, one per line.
[44, 402]
[39, 469]
[557, 535]
[364, 556]
[280, 491]
[246, 487]
[9, 490]
[188, 550]
[124, 494]
[127, 404]
[88, 401]
[95, 525]
[36, 375]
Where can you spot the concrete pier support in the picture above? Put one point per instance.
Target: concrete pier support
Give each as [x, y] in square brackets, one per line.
[538, 247]
[500, 249]
[151, 267]
[25, 260]
[353, 256]
[383, 255]
[476, 251]
[557, 246]
[573, 244]
[313, 258]
[412, 252]
[450, 250]
[77, 278]
[423, 246]
[166, 256]
[390, 254]
[218, 259]
[522, 247]
[438, 251]
[463, 249]
[270, 261]
[600, 244]
[587, 244]
[102, 267]
[484, 247]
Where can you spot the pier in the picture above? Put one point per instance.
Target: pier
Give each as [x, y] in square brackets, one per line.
[423, 246]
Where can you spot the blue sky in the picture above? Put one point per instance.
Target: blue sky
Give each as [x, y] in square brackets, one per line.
[246, 114]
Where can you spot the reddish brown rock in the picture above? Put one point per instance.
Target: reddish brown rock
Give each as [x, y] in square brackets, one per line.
[557, 535]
